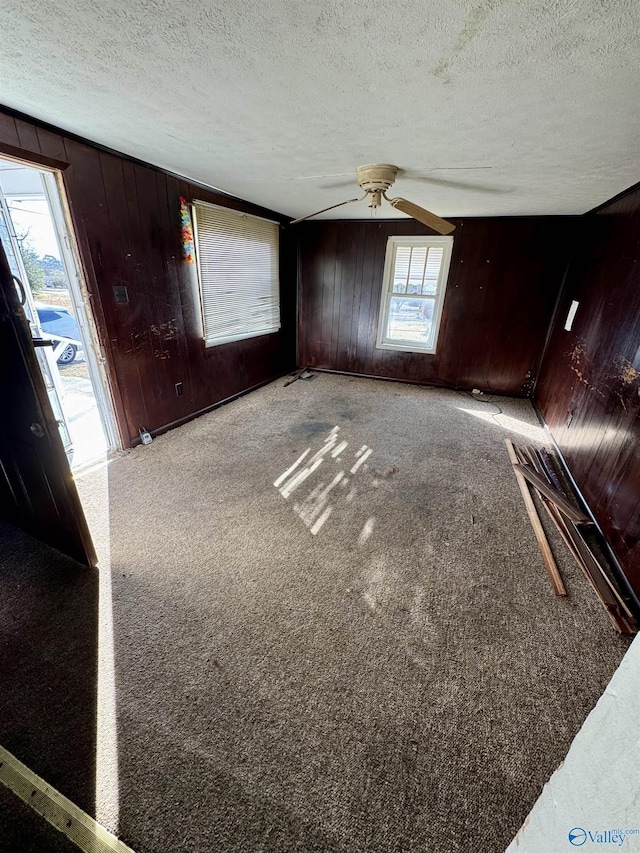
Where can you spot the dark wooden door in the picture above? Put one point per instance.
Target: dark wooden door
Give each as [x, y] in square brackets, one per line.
[37, 491]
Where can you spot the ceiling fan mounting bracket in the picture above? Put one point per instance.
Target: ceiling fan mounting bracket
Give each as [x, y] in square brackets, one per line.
[376, 177]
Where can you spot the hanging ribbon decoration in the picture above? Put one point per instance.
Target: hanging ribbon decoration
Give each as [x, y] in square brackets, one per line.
[188, 248]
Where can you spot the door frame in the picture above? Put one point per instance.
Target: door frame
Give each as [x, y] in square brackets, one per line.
[60, 210]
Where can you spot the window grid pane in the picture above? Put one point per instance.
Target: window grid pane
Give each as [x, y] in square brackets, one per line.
[402, 263]
[417, 269]
[413, 293]
[410, 320]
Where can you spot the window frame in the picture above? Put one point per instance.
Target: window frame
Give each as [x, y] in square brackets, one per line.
[220, 340]
[393, 243]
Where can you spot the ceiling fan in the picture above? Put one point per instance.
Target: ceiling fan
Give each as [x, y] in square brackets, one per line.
[375, 180]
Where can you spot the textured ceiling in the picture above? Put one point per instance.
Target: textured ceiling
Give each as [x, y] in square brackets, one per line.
[532, 106]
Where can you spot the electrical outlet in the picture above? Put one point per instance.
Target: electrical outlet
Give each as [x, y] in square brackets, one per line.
[179, 389]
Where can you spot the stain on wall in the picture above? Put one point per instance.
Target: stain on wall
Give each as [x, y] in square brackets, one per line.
[126, 216]
[589, 387]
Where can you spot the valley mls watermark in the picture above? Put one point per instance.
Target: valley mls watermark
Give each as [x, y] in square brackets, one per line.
[579, 836]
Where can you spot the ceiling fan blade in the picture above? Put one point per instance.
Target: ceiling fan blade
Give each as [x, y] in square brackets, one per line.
[327, 182]
[412, 172]
[460, 185]
[337, 185]
[422, 215]
[324, 210]
[319, 177]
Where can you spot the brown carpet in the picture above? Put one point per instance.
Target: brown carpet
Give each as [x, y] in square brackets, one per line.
[372, 665]
[48, 661]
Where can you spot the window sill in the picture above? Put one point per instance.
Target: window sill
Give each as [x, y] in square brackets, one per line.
[406, 347]
[243, 337]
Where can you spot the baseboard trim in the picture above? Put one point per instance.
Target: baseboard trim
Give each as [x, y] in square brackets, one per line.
[210, 408]
[434, 383]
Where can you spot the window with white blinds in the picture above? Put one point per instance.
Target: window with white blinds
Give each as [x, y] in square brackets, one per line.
[238, 272]
[414, 282]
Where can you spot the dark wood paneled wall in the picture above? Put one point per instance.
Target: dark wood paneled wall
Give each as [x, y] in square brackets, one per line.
[589, 386]
[503, 283]
[126, 216]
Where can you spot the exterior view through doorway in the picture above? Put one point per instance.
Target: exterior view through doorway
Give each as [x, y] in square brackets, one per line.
[40, 246]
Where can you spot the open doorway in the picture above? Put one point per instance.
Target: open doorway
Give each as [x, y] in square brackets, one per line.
[40, 247]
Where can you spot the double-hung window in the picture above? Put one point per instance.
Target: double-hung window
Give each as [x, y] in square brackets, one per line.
[238, 273]
[414, 282]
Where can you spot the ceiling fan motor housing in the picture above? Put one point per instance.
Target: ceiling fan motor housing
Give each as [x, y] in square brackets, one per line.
[377, 177]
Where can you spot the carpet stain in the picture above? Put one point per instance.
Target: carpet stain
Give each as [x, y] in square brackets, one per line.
[398, 620]
[311, 428]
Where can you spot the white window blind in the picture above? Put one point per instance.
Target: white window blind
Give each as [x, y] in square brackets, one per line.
[238, 271]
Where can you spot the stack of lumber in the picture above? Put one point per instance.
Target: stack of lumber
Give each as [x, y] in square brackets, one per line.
[534, 470]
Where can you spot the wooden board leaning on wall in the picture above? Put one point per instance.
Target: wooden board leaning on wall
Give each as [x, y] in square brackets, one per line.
[535, 472]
